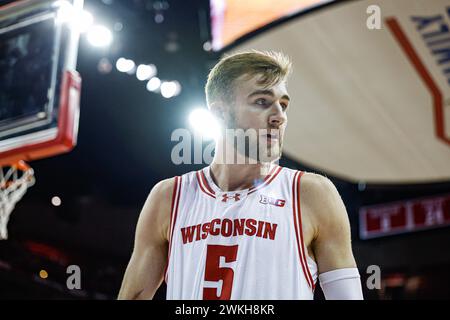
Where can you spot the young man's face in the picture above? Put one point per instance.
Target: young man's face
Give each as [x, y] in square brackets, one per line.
[262, 109]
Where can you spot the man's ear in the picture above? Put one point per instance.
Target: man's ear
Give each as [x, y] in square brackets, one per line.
[217, 108]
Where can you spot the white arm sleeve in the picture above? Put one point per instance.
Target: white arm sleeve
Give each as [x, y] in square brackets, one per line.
[341, 284]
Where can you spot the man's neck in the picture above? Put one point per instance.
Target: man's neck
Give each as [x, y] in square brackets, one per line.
[230, 177]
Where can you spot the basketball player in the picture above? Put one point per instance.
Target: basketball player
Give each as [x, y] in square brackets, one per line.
[250, 230]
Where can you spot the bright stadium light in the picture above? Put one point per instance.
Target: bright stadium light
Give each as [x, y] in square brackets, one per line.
[145, 72]
[204, 123]
[153, 84]
[99, 36]
[170, 89]
[78, 19]
[83, 21]
[56, 201]
[65, 11]
[125, 65]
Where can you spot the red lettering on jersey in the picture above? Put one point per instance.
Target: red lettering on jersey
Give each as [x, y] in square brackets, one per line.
[260, 229]
[228, 228]
[187, 234]
[205, 229]
[251, 227]
[214, 232]
[270, 230]
[238, 227]
[197, 238]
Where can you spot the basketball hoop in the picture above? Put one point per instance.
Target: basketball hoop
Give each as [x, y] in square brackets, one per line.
[15, 180]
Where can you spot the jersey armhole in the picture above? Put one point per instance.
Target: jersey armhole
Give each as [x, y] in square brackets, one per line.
[297, 217]
[173, 218]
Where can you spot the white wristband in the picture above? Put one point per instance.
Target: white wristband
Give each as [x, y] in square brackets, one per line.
[341, 284]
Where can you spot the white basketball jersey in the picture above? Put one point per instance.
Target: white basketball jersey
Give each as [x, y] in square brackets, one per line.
[245, 244]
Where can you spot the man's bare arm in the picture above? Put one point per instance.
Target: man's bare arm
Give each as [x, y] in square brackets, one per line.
[338, 275]
[332, 240]
[145, 271]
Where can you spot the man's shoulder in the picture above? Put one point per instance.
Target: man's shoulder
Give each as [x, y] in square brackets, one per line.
[164, 186]
[168, 185]
[319, 194]
[314, 182]
[317, 183]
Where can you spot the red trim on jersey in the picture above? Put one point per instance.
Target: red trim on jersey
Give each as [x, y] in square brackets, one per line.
[173, 217]
[200, 183]
[294, 210]
[206, 188]
[298, 228]
[267, 180]
[206, 184]
[305, 250]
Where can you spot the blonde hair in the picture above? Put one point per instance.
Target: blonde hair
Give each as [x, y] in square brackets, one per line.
[273, 67]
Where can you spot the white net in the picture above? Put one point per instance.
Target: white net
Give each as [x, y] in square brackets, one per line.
[14, 183]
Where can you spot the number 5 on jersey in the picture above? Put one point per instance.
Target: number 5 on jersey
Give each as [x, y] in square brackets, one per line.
[215, 273]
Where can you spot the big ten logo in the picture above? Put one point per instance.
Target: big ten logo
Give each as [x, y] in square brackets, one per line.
[74, 278]
[272, 201]
[374, 19]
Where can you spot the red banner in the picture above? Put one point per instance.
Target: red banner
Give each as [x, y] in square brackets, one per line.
[404, 216]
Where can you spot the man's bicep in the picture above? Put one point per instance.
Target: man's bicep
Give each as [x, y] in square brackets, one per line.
[145, 270]
[333, 250]
[332, 245]
[155, 215]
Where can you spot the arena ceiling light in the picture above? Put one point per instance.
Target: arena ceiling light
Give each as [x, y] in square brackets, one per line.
[84, 21]
[56, 201]
[80, 20]
[153, 84]
[99, 36]
[170, 89]
[145, 72]
[125, 65]
[65, 11]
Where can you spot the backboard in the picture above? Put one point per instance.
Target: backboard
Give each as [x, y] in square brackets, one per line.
[39, 87]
